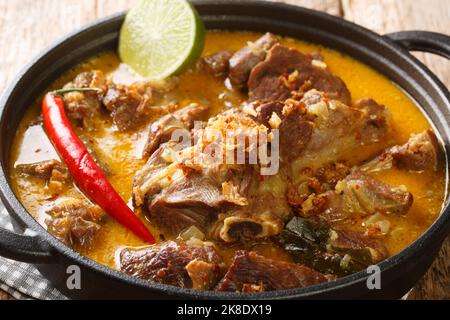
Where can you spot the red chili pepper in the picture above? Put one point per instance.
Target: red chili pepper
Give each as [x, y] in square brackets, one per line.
[85, 172]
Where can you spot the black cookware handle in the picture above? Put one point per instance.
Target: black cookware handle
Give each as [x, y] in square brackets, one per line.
[24, 248]
[423, 41]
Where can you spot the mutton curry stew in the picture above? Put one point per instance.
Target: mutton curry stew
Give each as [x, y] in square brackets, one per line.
[360, 171]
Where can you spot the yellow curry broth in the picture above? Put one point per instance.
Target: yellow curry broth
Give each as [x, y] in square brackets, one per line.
[121, 151]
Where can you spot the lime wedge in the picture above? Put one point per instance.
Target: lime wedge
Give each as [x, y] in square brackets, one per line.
[160, 38]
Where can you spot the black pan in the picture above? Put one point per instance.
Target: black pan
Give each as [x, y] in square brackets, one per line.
[388, 54]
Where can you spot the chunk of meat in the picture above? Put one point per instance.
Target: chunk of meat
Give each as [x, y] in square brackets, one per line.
[421, 152]
[376, 121]
[218, 63]
[360, 247]
[295, 132]
[194, 191]
[176, 263]
[286, 70]
[189, 202]
[129, 105]
[42, 169]
[92, 79]
[243, 61]
[338, 130]
[250, 270]
[366, 195]
[358, 195]
[75, 222]
[265, 112]
[153, 177]
[161, 131]
[54, 172]
[162, 169]
[290, 119]
[82, 106]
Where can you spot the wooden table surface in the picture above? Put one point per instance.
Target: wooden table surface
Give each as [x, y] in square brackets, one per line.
[28, 26]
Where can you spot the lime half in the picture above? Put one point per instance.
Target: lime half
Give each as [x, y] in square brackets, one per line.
[160, 38]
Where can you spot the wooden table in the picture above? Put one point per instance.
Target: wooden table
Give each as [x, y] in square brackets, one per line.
[28, 26]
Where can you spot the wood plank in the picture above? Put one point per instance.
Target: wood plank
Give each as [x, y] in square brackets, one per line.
[108, 7]
[329, 6]
[436, 282]
[385, 16]
[28, 28]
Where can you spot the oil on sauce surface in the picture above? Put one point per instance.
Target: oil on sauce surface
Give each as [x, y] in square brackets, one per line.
[121, 151]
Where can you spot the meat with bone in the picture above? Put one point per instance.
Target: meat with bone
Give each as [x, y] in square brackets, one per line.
[191, 264]
[250, 270]
[199, 200]
[227, 200]
[168, 189]
[263, 216]
[75, 222]
[218, 63]
[286, 70]
[243, 61]
[161, 130]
